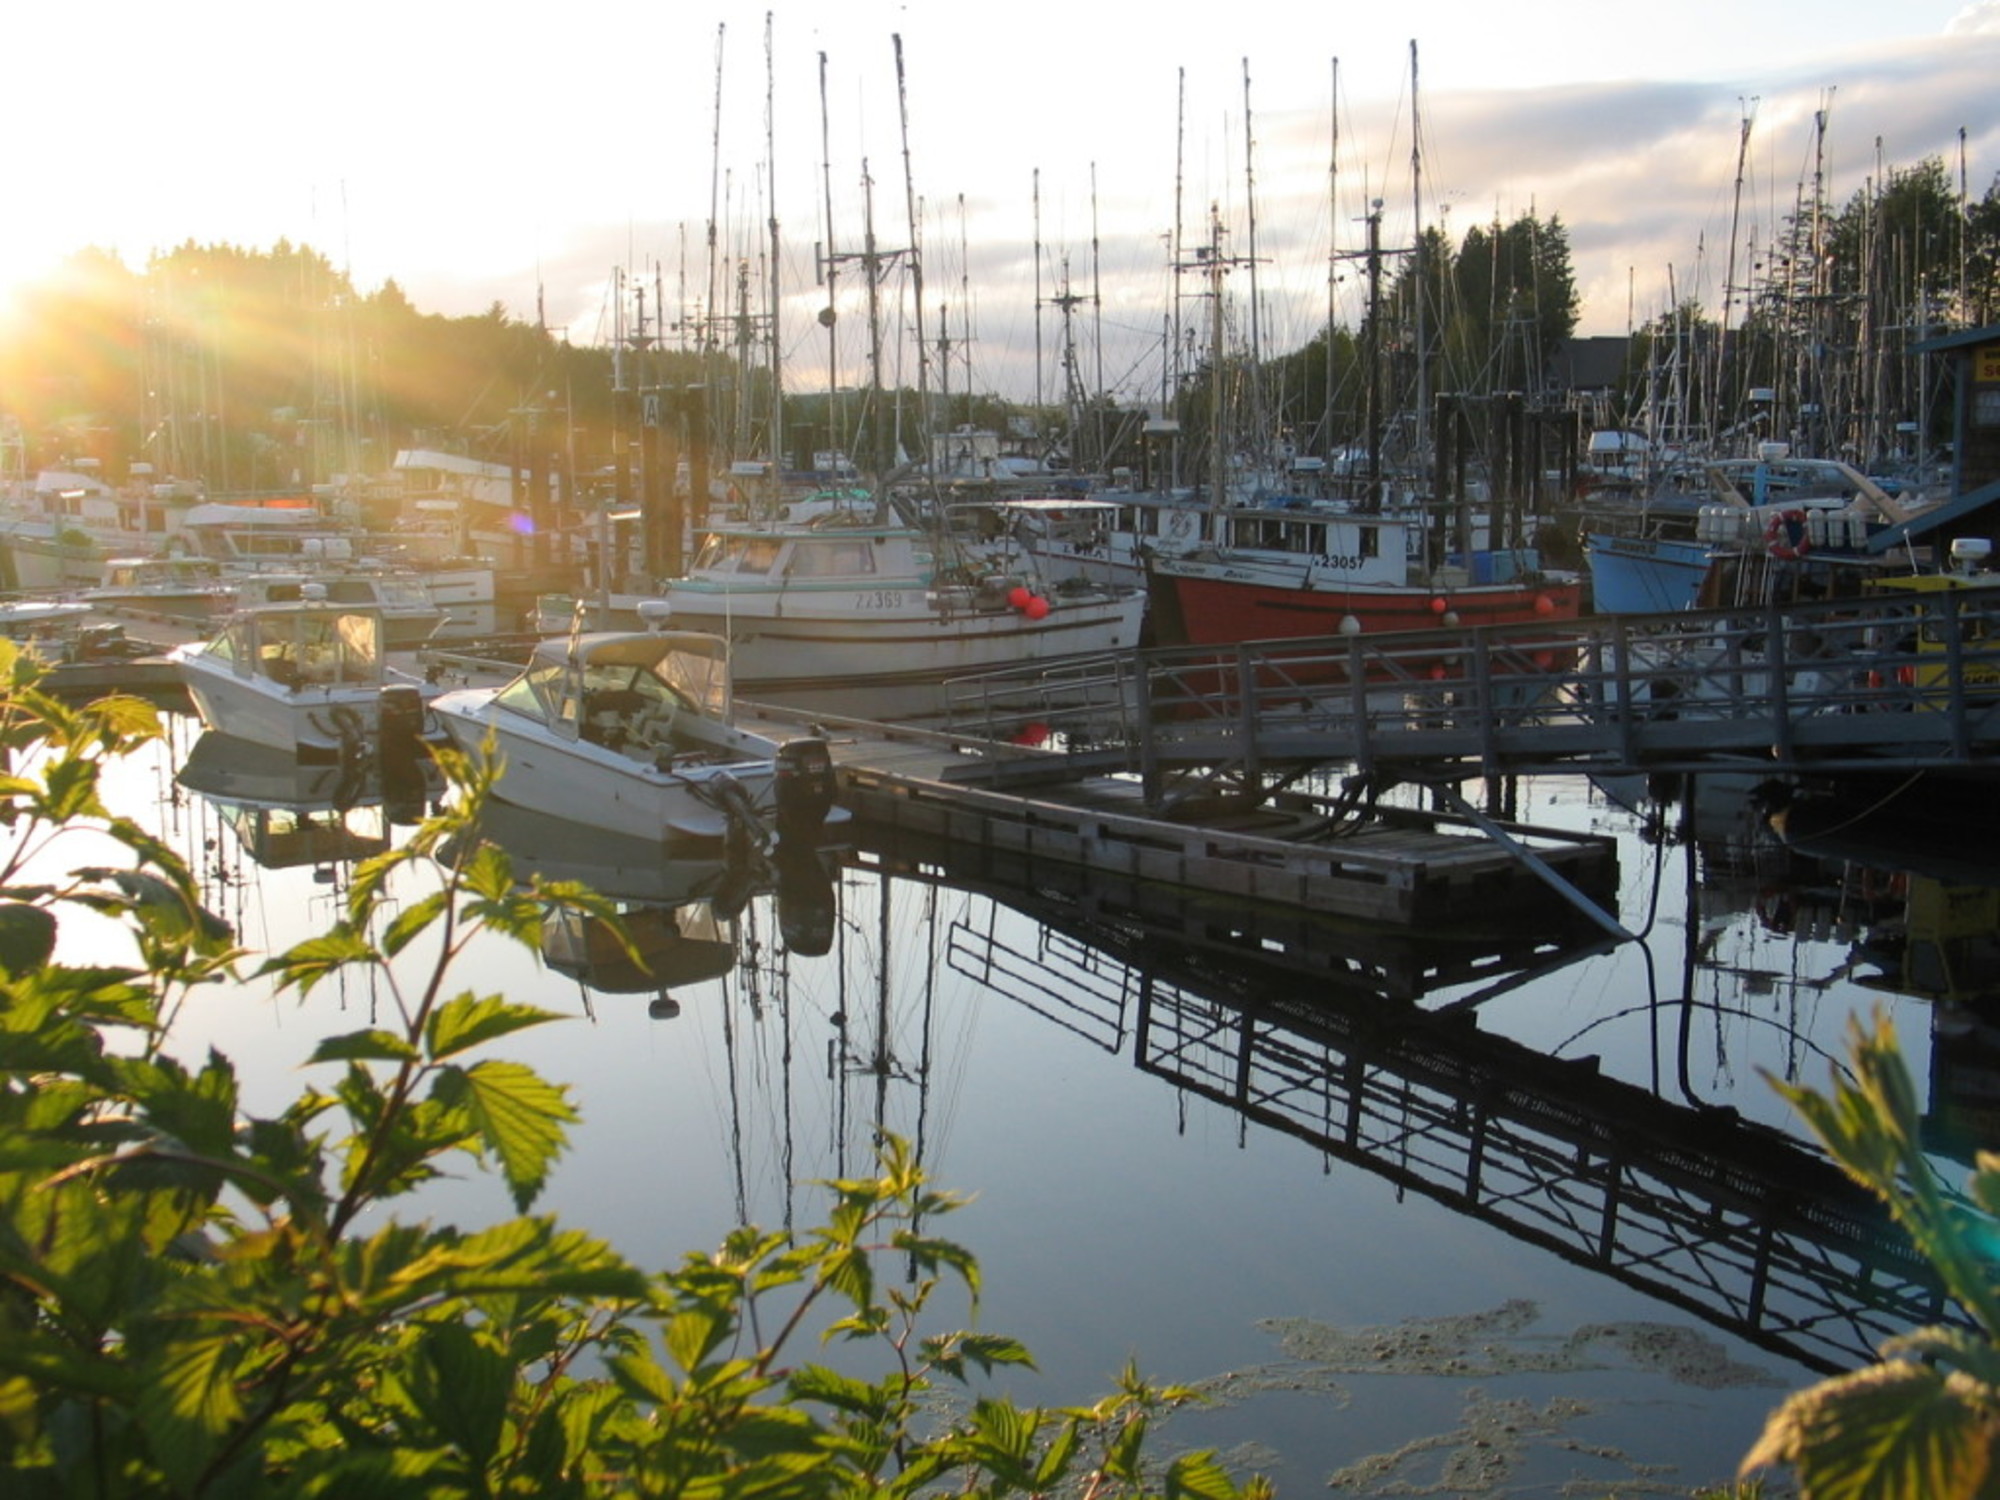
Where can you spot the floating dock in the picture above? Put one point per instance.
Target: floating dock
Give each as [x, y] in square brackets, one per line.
[1390, 865]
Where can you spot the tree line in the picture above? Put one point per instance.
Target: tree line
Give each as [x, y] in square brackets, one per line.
[255, 370]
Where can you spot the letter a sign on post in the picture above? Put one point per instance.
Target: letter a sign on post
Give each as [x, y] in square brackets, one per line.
[652, 411]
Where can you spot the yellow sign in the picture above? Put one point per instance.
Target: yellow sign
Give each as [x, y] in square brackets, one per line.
[1986, 363]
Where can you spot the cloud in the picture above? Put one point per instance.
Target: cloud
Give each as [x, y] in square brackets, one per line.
[1982, 19]
[1643, 173]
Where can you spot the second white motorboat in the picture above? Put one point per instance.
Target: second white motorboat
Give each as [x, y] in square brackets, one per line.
[307, 677]
[632, 731]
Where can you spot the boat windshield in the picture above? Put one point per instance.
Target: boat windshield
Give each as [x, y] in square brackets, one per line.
[722, 552]
[831, 557]
[696, 678]
[313, 648]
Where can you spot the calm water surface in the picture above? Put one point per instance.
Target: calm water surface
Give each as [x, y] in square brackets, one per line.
[1428, 1214]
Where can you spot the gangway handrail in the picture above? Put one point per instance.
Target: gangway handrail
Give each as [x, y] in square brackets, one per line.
[1898, 680]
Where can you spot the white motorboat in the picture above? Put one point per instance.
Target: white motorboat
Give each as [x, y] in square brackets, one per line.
[310, 677]
[179, 588]
[409, 615]
[632, 732]
[867, 604]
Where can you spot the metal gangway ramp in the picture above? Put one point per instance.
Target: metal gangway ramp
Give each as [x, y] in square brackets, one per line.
[1909, 680]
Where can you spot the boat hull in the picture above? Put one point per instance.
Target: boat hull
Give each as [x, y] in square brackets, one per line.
[311, 723]
[589, 785]
[1213, 609]
[800, 649]
[1645, 575]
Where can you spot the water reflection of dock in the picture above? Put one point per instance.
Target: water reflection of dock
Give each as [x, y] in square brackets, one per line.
[1748, 1228]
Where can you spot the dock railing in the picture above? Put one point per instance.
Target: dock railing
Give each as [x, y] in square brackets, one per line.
[1908, 679]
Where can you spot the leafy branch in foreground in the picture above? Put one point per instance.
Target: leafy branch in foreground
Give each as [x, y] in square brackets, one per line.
[200, 1301]
[1924, 1422]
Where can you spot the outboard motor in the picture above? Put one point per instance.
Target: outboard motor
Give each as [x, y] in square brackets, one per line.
[805, 785]
[806, 911]
[400, 752]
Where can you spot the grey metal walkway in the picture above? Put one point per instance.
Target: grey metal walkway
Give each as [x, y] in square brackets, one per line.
[1907, 681]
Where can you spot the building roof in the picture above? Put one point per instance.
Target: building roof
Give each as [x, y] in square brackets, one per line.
[1965, 338]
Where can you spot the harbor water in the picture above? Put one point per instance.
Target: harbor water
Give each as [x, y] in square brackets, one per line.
[1450, 1213]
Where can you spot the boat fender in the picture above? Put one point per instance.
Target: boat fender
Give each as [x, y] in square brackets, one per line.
[1786, 537]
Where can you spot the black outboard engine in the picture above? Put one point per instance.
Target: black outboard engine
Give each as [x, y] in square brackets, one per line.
[806, 910]
[400, 751]
[805, 786]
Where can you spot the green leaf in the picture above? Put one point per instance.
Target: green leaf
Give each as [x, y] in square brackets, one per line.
[464, 1022]
[466, 1392]
[27, 937]
[642, 1378]
[411, 921]
[1891, 1429]
[519, 1117]
[72, 790]
[489, 873]
[306, 964]
[1197, 1476]
[1055, 1462]
[987, 1350]
[363, 1046]
[694, 1332]
[818, 1383]
[931, 1253]
[1121, 1455]
[187, 1401]
[199, 1111]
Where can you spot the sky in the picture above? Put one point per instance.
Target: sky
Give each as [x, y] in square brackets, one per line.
[1038, 153]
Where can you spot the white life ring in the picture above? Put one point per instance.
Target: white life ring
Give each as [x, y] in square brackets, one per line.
[1180, 525]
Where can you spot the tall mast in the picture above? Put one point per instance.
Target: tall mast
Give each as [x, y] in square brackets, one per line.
[1255, 374]
[709, 308]
[828, 267]
[1178, 248]
[1036, 202]
[1332, 252]
[965, 301]
[777, 445]
[872, 268]
[1417, 263]
[1097, 324]
[1218, 468]
[1729, 274]
[916, 263]
[1374, 355]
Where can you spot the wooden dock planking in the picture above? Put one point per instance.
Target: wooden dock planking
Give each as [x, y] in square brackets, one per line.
[1402, 869]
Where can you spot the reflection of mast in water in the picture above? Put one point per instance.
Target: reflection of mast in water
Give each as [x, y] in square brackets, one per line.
[880, 1061]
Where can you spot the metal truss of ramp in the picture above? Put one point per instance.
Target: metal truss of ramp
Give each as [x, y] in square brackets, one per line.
[1317, 1029]
[1830, 686]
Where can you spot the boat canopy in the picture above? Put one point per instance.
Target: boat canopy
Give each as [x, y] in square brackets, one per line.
[568, 681]
[303, 647]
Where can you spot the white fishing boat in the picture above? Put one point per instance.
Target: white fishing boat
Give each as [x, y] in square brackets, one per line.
[845, 604]
[311, 677]
[409, 615]
[632, 731]
[180, 588]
